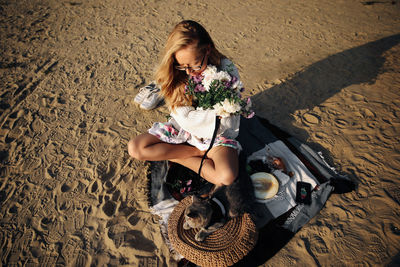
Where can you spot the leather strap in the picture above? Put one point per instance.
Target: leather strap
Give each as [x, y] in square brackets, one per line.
[217, 123]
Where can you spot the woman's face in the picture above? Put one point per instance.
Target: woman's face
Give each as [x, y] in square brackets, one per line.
[191, 60]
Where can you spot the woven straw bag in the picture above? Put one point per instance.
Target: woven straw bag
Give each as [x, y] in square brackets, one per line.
[224, 247]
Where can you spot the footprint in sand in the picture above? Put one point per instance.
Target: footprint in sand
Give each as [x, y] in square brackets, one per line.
[357, 97]
[72, 252]
[378, 249]
[393, 191]
[107, 171]
[49, 259]
[82, 258]
[117, 234]
[321, 135]
[348, 245]
[21, 247]
[5, 244]
[14, 134]
[87, 238]
[116, 195]
[7, 192]
[75, 219]
[136, 240]
[389, 132]
[134, 219]
[56, 230]
[110, 207]
[317, 245]
[363, 137]
[31, 163]
[121, 235]
[341, 123]
[148, 261]
[309, 118]
[94, 189]
[360, 213]
[367, 113]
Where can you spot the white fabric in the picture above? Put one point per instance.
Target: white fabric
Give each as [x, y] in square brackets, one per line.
[201, 123]
[164, 210]
[285, 199]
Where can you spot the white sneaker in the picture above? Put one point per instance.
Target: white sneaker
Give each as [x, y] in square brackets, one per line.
[144, 92]
[152, 100]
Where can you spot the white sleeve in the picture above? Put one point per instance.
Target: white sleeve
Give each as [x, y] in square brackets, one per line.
[229, 127]
[200, 123]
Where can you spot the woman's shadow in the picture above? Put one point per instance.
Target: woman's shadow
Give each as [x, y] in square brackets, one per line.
[320, 81]
[307, 89]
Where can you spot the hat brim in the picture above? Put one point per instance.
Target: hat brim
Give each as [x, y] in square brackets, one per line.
[224, 247]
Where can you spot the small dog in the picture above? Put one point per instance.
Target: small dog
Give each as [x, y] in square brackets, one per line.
[209, 214]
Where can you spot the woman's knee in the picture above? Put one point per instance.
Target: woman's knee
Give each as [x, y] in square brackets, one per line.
[228, 177]
[134, 149]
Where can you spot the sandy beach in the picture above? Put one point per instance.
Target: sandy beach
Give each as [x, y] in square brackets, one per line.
[327, 72]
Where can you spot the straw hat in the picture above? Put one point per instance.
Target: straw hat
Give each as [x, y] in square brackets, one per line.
[224, 247]
[266, 186]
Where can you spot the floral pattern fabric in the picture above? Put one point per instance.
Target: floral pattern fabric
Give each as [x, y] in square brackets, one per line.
[166, 132]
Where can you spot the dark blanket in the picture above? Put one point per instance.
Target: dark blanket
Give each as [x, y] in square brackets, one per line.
[279, 218]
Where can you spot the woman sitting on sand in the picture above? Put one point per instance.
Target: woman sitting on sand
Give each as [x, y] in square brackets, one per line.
[186, 136]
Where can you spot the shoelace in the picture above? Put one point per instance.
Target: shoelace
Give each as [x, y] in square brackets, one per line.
[151, 87]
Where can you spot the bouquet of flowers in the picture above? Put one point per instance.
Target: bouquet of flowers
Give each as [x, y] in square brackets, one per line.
[218, 90]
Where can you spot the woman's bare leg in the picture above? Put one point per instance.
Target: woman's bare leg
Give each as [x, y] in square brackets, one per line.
[149, 147]
[220, 168]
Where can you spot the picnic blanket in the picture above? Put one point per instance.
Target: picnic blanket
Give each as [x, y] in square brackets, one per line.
[280, 217]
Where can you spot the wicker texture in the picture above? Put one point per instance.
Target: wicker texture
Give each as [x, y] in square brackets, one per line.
[224, 247]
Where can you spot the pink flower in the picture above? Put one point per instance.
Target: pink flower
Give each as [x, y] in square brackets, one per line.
[197, 79]
[189, 182]
[199, 88]
[251, 115]
[170, 129]
[182, 190]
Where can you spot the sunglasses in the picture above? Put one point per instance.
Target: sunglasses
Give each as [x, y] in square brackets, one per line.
[194, 68]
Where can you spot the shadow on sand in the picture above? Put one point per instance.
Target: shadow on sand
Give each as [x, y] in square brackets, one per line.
[307, 89]
[320, 81]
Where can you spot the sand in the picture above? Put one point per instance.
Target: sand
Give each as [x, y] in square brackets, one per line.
[325, 71]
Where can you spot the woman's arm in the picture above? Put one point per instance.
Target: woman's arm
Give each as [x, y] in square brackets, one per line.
[200, 123]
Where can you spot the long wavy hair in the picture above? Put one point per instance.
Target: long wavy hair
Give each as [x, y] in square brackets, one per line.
[171, 80]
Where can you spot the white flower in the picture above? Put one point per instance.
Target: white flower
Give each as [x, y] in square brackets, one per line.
[207, 82]
[226, 108]
[231, 106]
[210, 70]
[237, 85]
[220, 111]
[223, 76]
[210, 74]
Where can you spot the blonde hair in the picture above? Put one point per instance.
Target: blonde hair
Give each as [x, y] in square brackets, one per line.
[171, 80]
